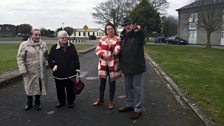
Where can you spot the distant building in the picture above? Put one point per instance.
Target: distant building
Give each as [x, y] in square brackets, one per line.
[7, 30]
[80, 32]
[189, 31]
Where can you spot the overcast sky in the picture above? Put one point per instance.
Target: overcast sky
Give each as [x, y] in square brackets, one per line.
[52, 13]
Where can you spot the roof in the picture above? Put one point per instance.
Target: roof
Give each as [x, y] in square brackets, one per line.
[89, 29]
[196, 4]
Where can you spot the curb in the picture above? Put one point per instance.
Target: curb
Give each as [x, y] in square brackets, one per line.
[9, 76]
[87, 50]
[177, 91]
[13, 75]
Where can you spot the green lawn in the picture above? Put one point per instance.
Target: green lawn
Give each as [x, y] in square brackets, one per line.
[10, 39]
[198, 71]
[9, 52]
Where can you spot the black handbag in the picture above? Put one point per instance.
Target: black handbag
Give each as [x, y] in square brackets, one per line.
[78, 85]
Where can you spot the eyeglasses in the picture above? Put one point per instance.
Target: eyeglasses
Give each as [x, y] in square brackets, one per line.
[110, 29]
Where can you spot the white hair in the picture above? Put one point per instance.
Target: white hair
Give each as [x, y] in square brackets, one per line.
[34, 29]
[62, 34]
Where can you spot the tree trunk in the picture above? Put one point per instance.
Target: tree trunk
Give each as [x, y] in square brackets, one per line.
[208, 40]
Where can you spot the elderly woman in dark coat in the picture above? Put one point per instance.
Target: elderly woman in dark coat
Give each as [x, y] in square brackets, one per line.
[63, 60]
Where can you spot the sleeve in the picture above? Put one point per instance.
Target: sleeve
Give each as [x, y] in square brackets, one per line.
[142, 35]
[77, 63]
[51, 58]
[116, 50]
[99, 51]
[46, 55]
[21, 56]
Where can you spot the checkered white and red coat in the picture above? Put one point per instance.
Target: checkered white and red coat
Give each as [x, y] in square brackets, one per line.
[108, 56]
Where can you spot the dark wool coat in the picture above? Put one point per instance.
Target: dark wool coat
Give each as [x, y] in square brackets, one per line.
[132, 52]
[67, 61]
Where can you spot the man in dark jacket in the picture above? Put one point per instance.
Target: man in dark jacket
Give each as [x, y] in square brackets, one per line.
[133, 66]
[64, 61]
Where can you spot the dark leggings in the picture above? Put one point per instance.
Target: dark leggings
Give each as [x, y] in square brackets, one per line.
[103, 86]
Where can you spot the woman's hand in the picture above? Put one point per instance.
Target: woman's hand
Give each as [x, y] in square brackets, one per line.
[55, 68]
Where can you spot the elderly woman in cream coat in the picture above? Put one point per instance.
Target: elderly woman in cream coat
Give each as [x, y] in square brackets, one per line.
[31, 60]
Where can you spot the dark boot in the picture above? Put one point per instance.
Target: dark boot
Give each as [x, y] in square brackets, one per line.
[29, 103]
[37, 103]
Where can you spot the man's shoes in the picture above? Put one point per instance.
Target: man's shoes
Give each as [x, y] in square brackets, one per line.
[60, 105]
[98, 102]
[136, 115]
[110, 105]
[126, 109]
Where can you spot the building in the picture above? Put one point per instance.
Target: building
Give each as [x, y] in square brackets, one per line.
[188, 30]
[7, 30]
[81, 33]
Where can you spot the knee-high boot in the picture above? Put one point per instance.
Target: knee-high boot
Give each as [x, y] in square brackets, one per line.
[37, 103]
[29, 102]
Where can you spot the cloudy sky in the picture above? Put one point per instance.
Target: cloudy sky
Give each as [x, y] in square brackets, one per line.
[52, 13]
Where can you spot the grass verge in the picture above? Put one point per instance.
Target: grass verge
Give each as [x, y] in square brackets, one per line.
[198, 71]
[9, 52]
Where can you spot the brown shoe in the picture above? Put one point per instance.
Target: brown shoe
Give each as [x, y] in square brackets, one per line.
[126, 109]
[110, 105]
[136, 115]
[98, 102]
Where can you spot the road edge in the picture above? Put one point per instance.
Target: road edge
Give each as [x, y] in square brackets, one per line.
[177, 91]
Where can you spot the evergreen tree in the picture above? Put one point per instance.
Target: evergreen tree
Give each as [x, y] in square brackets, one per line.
[147, 16]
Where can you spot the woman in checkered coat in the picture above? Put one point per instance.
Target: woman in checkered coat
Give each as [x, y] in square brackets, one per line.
[108, 67]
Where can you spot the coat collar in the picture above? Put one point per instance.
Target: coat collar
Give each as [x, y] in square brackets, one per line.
[32, 43]
[123, 33]
[59, 46]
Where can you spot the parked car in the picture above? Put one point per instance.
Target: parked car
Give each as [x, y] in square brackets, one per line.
[92, 37]
[176, 40]
[160, 39]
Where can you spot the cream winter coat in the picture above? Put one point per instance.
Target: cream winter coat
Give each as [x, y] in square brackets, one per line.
[32, 61]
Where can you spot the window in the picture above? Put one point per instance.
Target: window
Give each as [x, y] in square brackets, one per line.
[193, 20]
[192, 34]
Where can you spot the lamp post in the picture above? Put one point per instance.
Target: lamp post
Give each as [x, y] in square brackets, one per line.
[62, 25]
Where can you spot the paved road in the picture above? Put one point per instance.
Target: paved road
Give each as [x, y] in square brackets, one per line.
[160, 106]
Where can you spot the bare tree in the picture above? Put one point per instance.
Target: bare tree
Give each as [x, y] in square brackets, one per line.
[169, 25]
[24, 30]
[160, 5]
[113, 11]
[69, 30]
[209, 16]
